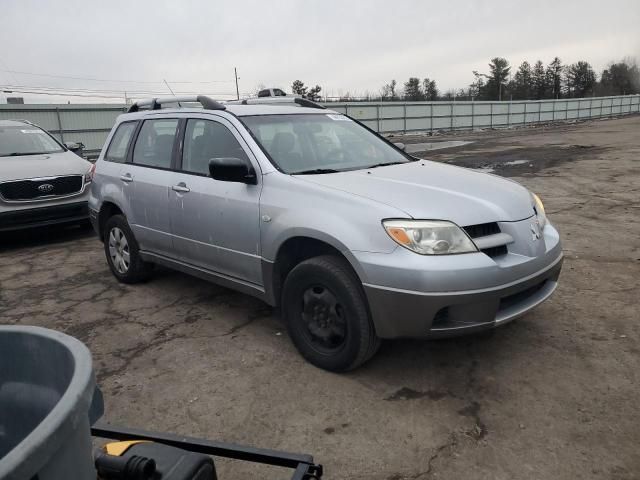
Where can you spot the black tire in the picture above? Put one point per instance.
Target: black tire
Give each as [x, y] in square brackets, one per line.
[135, 270]
[336, 336]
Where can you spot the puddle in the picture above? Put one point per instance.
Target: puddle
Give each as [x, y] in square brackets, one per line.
[424, 147]
[516, 162]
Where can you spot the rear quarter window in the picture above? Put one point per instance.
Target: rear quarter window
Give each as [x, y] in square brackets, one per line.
[119, 146]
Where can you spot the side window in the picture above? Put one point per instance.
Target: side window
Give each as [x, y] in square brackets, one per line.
[155, 143]
[117, 151]
[279, 93]
[264, 93]
[207, 139]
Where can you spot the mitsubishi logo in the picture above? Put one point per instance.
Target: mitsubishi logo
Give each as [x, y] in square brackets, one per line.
[535, 231]
[45, 188]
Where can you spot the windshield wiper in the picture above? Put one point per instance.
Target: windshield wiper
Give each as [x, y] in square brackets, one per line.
[384, 164]
[20, 154]
[314, 171]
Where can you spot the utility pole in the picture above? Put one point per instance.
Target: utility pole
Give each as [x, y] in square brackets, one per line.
[235, 72]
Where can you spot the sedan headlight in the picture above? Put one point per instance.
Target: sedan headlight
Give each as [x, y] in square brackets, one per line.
[429, 237]
[538, 207]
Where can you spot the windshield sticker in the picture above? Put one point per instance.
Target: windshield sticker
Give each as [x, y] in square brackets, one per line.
[333, 116]
[30, 131]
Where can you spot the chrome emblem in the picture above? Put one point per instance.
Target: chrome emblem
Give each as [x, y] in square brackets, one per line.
[535, 231]
[45, 188]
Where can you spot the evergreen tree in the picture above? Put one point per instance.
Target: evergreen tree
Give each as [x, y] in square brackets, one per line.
[539, 81]
[555, 72]
[523, 82]
[581, 79]
[412, 90]
[430, 89]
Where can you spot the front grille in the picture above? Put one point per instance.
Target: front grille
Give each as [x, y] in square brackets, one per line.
[35, 189]
[516, 298]
[484, 230]
[495, 251]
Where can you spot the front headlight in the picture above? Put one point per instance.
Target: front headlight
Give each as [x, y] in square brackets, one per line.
[429, 237]
[538, 207]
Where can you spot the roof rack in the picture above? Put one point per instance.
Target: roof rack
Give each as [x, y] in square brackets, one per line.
[156, 103]
[303, 102]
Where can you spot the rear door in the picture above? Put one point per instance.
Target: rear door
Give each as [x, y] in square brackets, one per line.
[215, 224]
[146, 179]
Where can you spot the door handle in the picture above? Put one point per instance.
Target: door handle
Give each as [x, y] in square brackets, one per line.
[181, 187]
[126, 178]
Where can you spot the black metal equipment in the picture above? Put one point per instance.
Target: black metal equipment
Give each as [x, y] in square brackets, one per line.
[301, 464]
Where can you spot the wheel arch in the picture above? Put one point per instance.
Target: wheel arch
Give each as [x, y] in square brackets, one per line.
[107, 210]
[295, 249]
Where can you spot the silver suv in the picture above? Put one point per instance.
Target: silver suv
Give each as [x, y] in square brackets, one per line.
[308, 209]
[42, 182]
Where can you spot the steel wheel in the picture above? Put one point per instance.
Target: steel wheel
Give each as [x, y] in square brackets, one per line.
[324, 319]
[119, 250]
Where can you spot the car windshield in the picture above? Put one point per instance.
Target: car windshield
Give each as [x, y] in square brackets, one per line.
[26, 140]
[320, 143]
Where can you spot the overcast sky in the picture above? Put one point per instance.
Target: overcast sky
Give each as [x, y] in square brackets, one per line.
[344, 46]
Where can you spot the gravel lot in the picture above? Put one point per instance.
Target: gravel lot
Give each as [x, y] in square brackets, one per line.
[553, 395]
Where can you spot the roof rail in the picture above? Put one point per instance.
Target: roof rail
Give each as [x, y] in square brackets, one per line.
[156, 103]
[303, 102]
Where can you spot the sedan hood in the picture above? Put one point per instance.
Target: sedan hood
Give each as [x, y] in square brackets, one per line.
[45, 165]
[435, 191]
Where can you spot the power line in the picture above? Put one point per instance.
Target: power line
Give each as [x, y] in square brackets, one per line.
[106, 91]
[93, 79]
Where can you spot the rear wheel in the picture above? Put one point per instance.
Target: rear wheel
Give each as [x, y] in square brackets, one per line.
[122, 252]
[326, 314]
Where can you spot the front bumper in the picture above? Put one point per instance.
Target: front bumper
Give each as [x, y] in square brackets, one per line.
[43, 216]
[418, 296]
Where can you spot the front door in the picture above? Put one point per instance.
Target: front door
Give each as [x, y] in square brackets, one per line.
[215, 224]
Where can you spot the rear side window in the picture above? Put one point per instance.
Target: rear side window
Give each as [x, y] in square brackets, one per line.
[154, 145]
[204, 140]
[117, 151]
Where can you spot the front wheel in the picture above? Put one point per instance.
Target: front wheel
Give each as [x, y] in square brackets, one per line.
[326, 314]
[122, 252]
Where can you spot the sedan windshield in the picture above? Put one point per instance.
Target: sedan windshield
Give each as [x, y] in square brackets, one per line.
[320, 143]
[26, 140]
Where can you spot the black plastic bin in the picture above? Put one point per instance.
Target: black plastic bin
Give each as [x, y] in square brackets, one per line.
[48, 399]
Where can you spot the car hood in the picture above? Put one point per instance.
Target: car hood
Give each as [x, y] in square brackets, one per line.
[435, 191]
[45, 165]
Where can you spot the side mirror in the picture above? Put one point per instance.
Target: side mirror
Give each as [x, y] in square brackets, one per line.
[75, 147]
[401, 146]
[230, 169]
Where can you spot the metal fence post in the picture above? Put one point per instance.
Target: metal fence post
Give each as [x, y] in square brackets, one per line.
[378, 116]
[473, 114]
[524, 118]
[451, 108]
[404, 107]
[491, 115]
[539, 112]
[431, 118]
[59, 125]
[509, 115]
